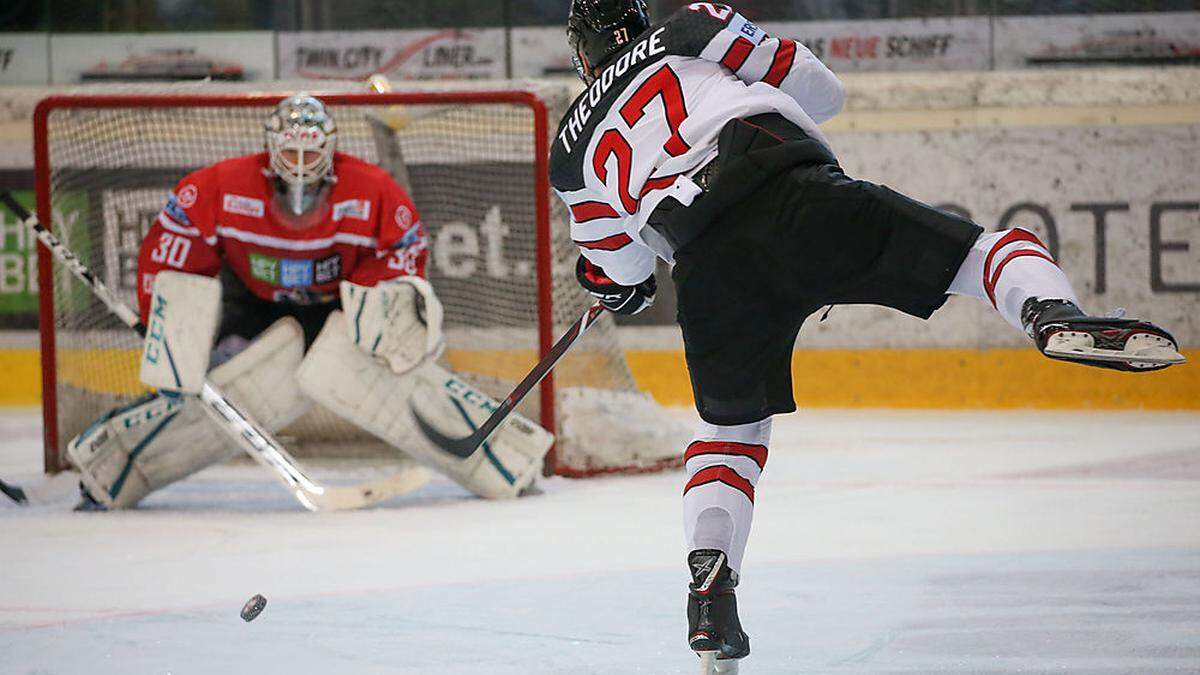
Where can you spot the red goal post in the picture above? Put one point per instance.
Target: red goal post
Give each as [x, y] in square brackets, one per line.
[108, 157]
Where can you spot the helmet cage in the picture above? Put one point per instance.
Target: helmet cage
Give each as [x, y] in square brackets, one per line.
[301, 138]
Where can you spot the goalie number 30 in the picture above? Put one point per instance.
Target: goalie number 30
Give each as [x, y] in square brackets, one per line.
[172, 250]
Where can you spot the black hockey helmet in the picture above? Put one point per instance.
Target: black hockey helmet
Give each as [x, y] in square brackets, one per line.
[597, 29]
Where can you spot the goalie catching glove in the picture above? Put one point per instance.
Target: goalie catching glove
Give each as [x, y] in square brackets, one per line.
[398, 322]
[616, 298]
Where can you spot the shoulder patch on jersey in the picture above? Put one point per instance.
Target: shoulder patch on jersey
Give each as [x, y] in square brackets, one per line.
[410, 237]
[174, 209]
[244, 206]
[404, 217]
[742, 26]
[187, 195]
[359, 209]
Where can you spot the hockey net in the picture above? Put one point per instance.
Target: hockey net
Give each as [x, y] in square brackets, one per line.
[501, 259]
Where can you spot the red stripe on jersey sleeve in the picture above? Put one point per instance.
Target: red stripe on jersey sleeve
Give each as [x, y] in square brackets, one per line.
[721, 474]
[785, 56]
[585, 211]
[737, 54]
[757, 453]
[612, 243]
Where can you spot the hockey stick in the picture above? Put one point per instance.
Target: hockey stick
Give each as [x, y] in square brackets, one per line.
[249, 436]
[14, 493]
[465, 446]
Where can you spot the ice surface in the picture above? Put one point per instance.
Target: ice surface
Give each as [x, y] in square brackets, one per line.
[911, 542]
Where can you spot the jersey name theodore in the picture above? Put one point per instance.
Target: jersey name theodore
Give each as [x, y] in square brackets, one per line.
[653, 115]
[581, 112]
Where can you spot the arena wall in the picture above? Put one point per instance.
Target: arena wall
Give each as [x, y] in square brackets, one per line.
[1103, 164]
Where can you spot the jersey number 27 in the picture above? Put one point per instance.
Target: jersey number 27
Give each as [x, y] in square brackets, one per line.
[664, 84]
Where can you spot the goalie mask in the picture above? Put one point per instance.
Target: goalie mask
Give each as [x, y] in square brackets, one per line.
[597, 29]
[301, 138]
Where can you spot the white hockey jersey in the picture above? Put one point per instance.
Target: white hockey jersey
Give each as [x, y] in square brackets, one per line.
[652, 118]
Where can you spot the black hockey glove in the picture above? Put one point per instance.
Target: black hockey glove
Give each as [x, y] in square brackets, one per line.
[617, 298]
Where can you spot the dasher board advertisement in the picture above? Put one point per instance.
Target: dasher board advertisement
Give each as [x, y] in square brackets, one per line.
[1098, 40]
[162, 57]
[400, 54]
[889, 45]
[24, 58]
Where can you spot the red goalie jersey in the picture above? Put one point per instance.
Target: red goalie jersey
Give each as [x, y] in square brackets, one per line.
[365, 230]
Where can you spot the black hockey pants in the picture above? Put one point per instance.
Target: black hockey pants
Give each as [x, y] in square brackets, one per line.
[783, 232]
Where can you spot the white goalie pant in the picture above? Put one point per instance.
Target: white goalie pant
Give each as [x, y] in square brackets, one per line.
[132, 451]
[365, 391]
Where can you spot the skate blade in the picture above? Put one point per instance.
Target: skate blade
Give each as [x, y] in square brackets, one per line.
[711, 665]
[1142, 349]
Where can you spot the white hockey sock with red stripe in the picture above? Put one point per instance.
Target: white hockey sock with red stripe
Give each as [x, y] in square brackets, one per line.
[723, 465]
[1007, 268]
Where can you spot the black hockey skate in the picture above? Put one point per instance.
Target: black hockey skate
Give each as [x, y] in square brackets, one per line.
[1062, 331]
[714, 631]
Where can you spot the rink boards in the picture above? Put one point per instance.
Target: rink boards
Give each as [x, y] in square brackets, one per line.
[1099, 163]
[825, 378]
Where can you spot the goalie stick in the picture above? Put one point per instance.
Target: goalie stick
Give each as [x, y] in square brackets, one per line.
[465, 446]
[249, 436]
[14, 493]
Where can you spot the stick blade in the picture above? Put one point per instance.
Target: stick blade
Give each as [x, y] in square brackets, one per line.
[459, 447]
[14, 493]
[404, 481]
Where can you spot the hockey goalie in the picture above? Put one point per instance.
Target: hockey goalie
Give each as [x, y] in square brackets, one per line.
[291, 277]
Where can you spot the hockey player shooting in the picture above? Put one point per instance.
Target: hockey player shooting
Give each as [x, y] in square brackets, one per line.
[294, 234]
[696, 141]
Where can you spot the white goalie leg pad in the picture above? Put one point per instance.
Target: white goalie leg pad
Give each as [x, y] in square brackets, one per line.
[133, 451]
[368, 394]
[398, 321]
[108, 451]
[180, 330]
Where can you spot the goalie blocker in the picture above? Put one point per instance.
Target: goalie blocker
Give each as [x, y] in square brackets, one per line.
[180, 331]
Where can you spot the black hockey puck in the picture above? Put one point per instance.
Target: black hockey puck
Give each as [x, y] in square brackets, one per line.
[253, 607]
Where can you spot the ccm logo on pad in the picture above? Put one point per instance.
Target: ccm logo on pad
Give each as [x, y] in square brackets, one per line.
[244, 206]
